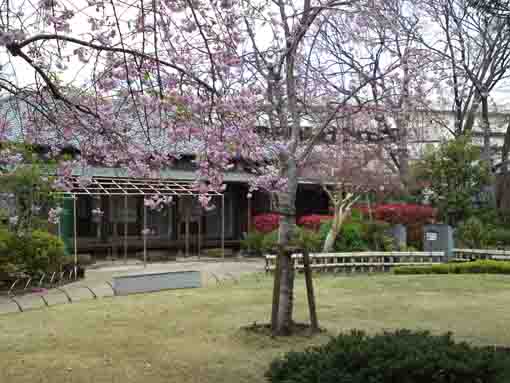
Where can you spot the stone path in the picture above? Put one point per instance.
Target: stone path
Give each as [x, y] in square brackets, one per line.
[97, 280]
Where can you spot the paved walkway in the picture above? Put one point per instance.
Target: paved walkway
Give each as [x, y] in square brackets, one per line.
[100, 275]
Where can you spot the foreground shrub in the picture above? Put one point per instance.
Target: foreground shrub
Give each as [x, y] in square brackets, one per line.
[352, 236]
[475, 267]
[254, 242]
[310, 240]
[7, 259]
[38, 252]
[376, 234]
[500, 237]
[403, 356]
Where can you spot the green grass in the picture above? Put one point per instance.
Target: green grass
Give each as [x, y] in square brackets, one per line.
[194, 335]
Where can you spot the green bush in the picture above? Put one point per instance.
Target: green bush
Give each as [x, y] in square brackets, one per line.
[403, 356]
[474, 234]
[351, 238]
[265, 243]
[376, 234]
[360, 235]
[37, 252]
[269, 242]
[308, 239]
[7, 258]
[254, 242]
[475, 267]
[500, 237]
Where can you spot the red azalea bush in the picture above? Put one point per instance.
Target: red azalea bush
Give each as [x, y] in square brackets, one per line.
[400, 213]
[266, 223]
[313, 221]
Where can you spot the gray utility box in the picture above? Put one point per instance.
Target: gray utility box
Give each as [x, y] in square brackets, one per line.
[149, 282]
[399, 235]
[438, 238]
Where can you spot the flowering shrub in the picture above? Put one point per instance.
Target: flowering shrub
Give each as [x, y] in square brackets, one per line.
[313, 221]
[269, 222]
[54, 215]
[400, 213]
[266, 223]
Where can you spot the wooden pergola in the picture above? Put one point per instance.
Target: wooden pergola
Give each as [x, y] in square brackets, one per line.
[132, 187]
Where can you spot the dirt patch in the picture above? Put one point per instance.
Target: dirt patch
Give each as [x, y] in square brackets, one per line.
[298, 329]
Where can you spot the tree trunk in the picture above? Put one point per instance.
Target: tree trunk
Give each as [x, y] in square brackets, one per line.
[470, 119]
[332, 234]
[341, 212]
[404, 170]
[286, 297]
[314, 322]
[276, 296]
[506, 149]
[287, 207]
[486, 156]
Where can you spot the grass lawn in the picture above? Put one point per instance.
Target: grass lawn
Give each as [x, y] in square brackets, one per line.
[194, 335]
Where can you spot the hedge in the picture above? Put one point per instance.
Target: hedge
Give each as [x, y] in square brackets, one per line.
[475, 267]
[403, 356]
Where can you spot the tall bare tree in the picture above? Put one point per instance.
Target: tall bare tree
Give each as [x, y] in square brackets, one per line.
[472, 49]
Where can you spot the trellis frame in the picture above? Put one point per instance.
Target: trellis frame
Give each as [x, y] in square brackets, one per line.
[135, 187]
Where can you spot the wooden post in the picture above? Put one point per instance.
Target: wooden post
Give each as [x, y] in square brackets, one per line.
[314, 323]
[145, 233]
[186, 230]
[199, 235]
[125, 216]
[248, 229]
[276, 295]
[75, 234]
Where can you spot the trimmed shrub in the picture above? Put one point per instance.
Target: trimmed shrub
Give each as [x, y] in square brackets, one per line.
[403, 356]
[254, 242]
[269, 241]
[38, 252]
[500, 237]
[307, 239]
[376, 234]
[7, 259]
[475, 267]
[350, 238]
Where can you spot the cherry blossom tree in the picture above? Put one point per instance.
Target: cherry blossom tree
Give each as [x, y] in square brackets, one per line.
[137, 84]
[287, 71]
[347, 171]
